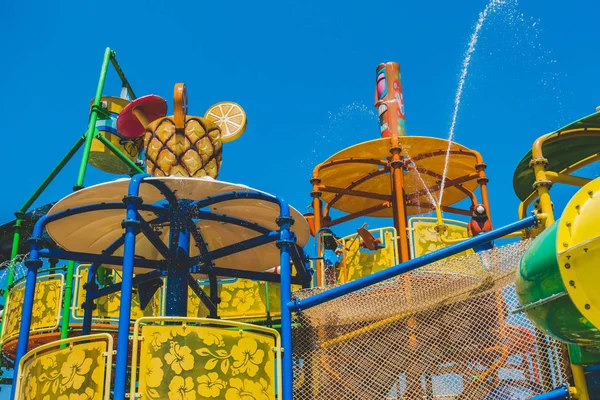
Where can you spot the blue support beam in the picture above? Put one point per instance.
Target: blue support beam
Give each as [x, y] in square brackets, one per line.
[234, 248]
[162, 187]
[131, 224]
[214, 292]
[410, 265]
[177, 268]
[33, 265]
[154, 238]
[301, 268]
[91, 286]
[98, 258]
[557, 394]
[32, 268]
[286, 242]
[46, 219]
[253, 275]
[205, 215]
[117, 287]
[201, 244]
[212, 307]
[234, 196]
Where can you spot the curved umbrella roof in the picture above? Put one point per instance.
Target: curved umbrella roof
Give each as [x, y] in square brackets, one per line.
[352, 175]
[92, 232]
[562, 148]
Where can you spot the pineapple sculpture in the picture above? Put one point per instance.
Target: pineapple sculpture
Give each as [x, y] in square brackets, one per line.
[181, 145]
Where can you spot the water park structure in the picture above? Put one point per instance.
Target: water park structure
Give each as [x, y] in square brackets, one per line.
[169, 283]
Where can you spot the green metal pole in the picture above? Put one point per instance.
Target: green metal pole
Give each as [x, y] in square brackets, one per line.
[66, 315]
[17, 235]
[11, 274]
[119, 154]
[124, 80]
[52, 175]
[89, 135]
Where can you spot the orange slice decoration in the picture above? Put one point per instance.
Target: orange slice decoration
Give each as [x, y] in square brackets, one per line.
[230, 118]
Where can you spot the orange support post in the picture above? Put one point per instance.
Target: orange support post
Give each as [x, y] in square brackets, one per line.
[316, 195]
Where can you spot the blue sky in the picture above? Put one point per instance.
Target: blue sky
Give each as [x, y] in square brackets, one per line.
[303, 71]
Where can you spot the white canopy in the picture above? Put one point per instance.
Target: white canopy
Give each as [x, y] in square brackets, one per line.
[92, 232]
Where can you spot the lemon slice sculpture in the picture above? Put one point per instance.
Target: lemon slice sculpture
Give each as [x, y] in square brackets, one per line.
[230, 118]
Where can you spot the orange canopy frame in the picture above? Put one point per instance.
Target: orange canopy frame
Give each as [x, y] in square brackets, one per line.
[396, 177]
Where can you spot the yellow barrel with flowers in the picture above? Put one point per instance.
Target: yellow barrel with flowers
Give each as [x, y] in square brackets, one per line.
[101, 156]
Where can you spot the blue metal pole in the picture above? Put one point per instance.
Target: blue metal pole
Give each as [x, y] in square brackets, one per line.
[177, 268]
[234, 248]
[116, 287]
[253, 275]
[90, 305]
[33, 264]
[409, 265]
[98, 258]
[230, 220]
[131, 228]
[557, 394]
[91, 285]
[285, 242]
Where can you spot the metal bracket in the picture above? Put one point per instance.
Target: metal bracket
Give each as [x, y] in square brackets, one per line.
[538, 303]
[131, 222]
[547, 183]
[538, 161]
[101, 111]
[282, 242]
[34, 263]
[282, 220]
[133, 199]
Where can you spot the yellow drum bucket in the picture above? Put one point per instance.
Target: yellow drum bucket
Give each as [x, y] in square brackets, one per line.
[100, 156]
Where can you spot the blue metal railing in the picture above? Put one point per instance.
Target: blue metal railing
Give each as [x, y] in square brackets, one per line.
[410, 265]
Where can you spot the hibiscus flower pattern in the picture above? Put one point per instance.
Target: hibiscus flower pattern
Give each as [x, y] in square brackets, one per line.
[198, 362]
[241, 298]
[46, 306]
[73, 373]
[428, 240]
[362, 262]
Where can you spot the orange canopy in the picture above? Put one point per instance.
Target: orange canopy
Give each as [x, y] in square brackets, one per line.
[356, 178]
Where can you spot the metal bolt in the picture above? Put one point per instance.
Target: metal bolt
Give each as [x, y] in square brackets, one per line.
[590, 192]
[587, 306]
[565, 244]
[568, 223]
[567, 265]
[572, 283]
[577, 206]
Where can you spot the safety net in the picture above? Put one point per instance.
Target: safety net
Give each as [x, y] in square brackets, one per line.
[444, 331]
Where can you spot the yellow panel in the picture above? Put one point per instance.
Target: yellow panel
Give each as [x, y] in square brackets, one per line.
[242, 299]
[75, 372]
[190, 362]
[108, 306]
[362, 262]
[578, 250]
[100, 155]
[426, 240]
[46, 307]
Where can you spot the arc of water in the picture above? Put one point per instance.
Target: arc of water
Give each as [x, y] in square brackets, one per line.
[491, 7]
